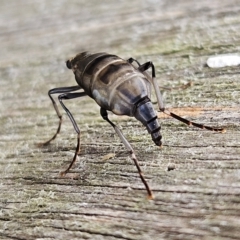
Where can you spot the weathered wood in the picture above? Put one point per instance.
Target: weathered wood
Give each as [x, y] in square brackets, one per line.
[103, 197]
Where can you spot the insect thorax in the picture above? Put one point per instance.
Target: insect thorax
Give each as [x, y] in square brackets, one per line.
[112, 82]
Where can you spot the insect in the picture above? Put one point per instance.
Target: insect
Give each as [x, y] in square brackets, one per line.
[120, 86]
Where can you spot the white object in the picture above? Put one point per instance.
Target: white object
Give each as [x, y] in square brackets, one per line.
[227, 60]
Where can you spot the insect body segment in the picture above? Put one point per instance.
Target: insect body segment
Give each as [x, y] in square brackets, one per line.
[118, 86]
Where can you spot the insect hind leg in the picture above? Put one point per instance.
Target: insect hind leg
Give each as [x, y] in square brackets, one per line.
[58, 91]
[66, 94]
[71, 96]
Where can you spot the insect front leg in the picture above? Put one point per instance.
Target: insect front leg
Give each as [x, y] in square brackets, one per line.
[104, 115]
[148, 65]
[57, 91]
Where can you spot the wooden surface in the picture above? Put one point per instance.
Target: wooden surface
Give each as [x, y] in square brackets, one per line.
[103, 197]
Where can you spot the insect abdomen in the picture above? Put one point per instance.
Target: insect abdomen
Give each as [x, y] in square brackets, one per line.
[146, 114]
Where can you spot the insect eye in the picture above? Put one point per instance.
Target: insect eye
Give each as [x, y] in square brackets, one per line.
[69, 65]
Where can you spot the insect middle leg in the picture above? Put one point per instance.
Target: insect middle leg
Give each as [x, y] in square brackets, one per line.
[104, 115]
[184, 86]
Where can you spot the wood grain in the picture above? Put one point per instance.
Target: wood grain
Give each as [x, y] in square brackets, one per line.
[103, 197]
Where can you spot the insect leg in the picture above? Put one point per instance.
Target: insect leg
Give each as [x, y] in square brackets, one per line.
[55, 91]
[131, 60]
[148, 65]
[71, 96]
[183, 86]
[104, 115]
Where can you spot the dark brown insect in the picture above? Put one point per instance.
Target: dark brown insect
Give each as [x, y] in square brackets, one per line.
[119, 86]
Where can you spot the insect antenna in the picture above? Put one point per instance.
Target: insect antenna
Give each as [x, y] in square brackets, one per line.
[181, 119]
[148, 65]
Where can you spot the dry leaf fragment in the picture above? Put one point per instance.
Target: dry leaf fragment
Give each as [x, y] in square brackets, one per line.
[108, 156]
